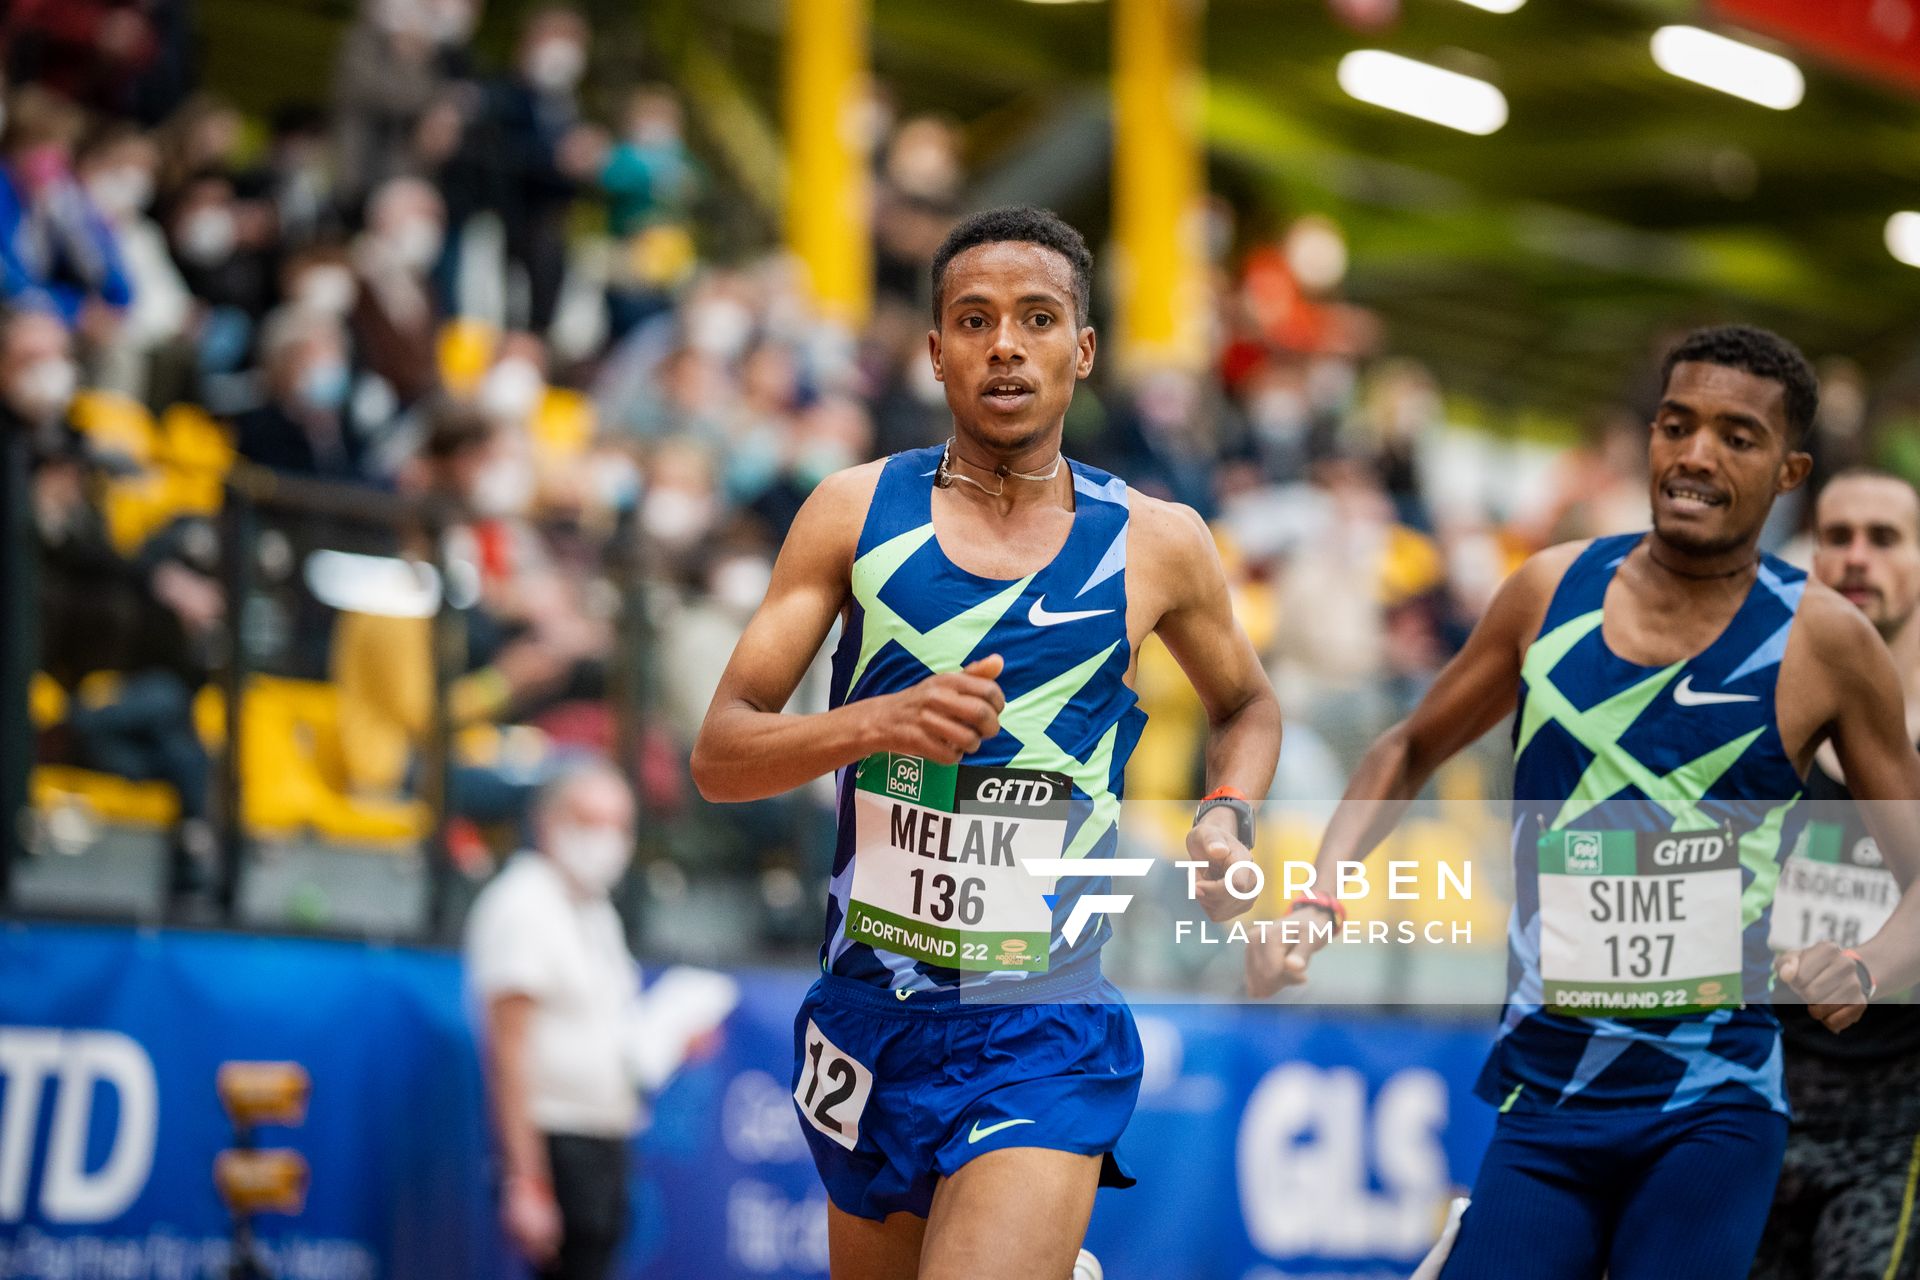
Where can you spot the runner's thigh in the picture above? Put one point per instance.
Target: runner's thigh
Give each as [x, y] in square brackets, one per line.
[1018, 1213]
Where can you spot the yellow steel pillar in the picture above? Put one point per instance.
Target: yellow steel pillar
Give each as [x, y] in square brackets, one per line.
[1159, 183]
[827, 205]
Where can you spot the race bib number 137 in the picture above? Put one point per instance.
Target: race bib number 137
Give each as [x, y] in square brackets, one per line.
[938, 864]
[1639, 923]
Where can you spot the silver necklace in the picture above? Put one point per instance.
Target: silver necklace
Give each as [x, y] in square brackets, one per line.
[945, 475]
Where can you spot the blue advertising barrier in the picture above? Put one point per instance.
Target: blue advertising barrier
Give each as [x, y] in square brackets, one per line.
[1269, 1143]
[109, 1123]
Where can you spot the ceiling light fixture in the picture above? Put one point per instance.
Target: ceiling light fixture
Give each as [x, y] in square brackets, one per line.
[1422, 90]
[1903, 237]
[1729, 66]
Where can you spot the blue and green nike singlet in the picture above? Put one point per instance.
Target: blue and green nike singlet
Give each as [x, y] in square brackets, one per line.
[1652, 808]
[941, 893]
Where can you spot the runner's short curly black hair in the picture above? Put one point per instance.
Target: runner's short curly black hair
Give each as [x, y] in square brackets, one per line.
[1043, 227]
[1761, 353]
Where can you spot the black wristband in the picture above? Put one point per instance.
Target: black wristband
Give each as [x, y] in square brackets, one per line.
[1242, 813]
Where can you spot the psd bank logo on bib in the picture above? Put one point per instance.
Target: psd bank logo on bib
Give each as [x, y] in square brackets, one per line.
[904, 775]
[1584, 853]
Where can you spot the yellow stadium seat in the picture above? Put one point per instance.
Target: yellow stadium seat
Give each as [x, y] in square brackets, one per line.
[106, 797]
[119, 424]
[466, 353]
[563, 426]
[137, 507]
[193, 441]
[290, 774]
[46, 701]
[1410, 565]
[198, 454]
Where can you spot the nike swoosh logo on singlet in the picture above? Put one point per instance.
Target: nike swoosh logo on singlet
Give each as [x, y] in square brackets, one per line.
[1684, 695]
[1039, 615]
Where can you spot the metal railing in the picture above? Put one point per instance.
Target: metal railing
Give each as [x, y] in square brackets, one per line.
[264, 516]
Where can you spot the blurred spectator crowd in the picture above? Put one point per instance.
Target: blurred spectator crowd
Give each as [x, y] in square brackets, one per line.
[452, 289]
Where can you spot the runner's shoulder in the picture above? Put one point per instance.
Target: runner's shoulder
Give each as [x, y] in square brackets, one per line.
[1170, 542]
[1544, 568]
[846, 494]
[1532, 583]
[1519, 605]
[830, 520]
[1831, 630]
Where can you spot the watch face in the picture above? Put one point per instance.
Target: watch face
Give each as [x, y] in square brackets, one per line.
[1242, 812]
[1865, 975]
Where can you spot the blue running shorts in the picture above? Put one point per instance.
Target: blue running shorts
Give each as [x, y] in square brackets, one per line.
[1633, 1195]
[896, 1093]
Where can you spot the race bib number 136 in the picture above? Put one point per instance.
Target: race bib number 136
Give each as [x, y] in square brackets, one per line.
[938, 864]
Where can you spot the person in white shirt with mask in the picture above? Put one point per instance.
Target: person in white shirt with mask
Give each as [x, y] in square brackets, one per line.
[548, 962]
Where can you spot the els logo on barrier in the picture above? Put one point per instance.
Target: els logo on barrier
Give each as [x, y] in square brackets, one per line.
[73, 1066]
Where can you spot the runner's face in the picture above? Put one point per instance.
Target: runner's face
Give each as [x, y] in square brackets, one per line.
[1867, 546]
[1009, 346]
[1718, 456]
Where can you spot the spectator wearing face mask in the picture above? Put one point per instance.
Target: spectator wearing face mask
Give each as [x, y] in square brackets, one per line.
[383, 666]
[559, 1000]
[221, 246]
[203, 137]
[146, 618]
[526, 154]
[831, 434]
[297, 179]
[522, 586]
[320, 277]
[396, 322]
[728, 582]
[651, 184]
[90, 52]
[915, 202]
[302, 426]
[679, 500]
[516, 383]
[394, 67]
[118, 170]
[56, 251]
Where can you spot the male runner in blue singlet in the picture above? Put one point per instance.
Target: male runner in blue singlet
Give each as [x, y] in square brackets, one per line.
[1845, 1206]
[1672, 688]
[993, 596]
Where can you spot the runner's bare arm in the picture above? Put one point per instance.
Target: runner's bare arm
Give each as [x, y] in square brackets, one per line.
[1882, 769]
[749, 748]
[1471, 695]
[1200, 631]
[1197, 625]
